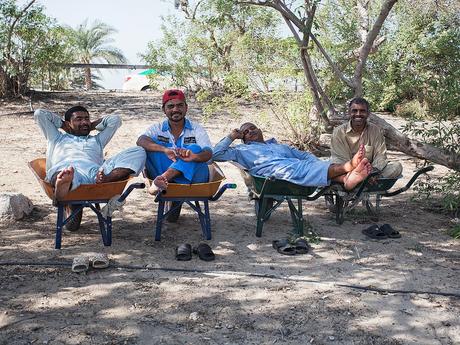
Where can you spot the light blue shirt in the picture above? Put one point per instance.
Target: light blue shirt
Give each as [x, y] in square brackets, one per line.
[84, 153]
[272, 159]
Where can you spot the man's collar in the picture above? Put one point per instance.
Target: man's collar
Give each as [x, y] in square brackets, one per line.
[350, 129]
[165, 126]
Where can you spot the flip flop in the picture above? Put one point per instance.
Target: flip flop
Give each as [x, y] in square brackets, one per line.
[184, 252]
[204, 252]
[284, 247]
[389, 231]
[301, 246]
[99, 260]
[374, 232]
[80, 264]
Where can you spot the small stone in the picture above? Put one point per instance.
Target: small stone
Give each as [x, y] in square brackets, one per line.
[193, 316]
[331, 338]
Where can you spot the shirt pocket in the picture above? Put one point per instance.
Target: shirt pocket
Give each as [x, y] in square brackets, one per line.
[369, 152]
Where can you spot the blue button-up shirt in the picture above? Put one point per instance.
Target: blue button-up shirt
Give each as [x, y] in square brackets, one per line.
[272, 159]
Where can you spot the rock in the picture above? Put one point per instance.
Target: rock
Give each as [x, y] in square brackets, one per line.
[193, 316]
[14, 206]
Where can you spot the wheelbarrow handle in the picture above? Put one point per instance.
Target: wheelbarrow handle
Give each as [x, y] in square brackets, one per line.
[222, 190]
[411, 181]
[130, 188]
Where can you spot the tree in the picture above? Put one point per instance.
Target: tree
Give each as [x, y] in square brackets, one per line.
[91, 43]
[300, 18]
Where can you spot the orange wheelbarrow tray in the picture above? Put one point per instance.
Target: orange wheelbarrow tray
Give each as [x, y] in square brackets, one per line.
[191, 194]
[86, 195]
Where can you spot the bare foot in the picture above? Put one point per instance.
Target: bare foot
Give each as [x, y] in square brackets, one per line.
[100, 176]
[358, 174]
[159, 183]
[63, 183]
[358, 157]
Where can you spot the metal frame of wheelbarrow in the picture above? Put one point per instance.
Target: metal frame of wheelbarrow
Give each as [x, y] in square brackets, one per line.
[105, 223]
[269, 193]
[341, 201]
[194, 202]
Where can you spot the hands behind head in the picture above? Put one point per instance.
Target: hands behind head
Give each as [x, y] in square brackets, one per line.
[236, 134]
[66, 126]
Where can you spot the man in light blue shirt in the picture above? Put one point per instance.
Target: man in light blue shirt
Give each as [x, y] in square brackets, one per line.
[75, 157]
[177, 149]
[268, 158]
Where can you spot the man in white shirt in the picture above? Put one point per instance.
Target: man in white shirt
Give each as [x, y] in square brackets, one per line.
[177, 149]
[75, 157]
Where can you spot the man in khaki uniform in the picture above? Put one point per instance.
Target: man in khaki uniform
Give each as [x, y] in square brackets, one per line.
[347, 138]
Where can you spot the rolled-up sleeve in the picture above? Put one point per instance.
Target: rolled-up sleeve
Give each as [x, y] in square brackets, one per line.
[49, 123]
[223, 152]
[107, 127]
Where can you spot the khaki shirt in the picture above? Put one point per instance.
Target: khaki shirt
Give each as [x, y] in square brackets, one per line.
[345, 143]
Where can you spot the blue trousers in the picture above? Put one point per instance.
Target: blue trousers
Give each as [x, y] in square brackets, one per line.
[191, 172]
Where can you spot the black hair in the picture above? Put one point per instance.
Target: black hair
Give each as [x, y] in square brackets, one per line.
[68, 113]
[359, 100]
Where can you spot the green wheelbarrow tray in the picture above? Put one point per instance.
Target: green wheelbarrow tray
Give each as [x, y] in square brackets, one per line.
[341, 201]
[269, 193]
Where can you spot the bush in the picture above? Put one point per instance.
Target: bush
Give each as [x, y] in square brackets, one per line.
[412, 110]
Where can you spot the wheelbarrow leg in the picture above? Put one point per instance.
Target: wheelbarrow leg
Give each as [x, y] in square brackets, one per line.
[160, 215]
[207, 220]
[202, 219]
[261, 217]
[339, 202]
[59, 221]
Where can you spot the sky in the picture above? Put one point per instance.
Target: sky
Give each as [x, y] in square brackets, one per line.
[137, 22]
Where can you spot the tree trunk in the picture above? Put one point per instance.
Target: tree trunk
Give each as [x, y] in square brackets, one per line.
[398, 141]
[88, 81]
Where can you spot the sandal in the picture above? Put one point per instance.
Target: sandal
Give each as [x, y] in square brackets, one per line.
[375, 232]
[80, 264]
[99, 260]
[301, 246]
[389, 231]
[284, 247]
[204, 252]
[184, 252]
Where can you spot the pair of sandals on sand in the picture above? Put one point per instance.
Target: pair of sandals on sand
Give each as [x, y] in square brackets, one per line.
[204, 252]
[286, 247]
[381, 232]
[82, 263]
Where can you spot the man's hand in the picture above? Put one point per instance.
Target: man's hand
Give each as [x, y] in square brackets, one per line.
[170, 153]
[236, 134]
[66, 126]
[94, 124]
[186, 155]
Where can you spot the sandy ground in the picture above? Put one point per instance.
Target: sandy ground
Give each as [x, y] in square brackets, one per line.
[249, 295]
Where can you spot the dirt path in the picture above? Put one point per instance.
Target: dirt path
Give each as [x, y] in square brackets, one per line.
[249, 295]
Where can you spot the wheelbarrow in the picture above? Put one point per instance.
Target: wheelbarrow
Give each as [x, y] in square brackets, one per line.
[86, 195]
[269, 193]
[196, 195]
[340, 201]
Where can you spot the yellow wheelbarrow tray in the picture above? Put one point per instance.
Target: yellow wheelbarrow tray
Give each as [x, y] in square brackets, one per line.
[196, 195]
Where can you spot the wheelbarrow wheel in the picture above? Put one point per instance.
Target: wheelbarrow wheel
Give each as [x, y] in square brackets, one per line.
[373, 210]
[74, 223]
[339, 203]
[174, 215]
[330, 204]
